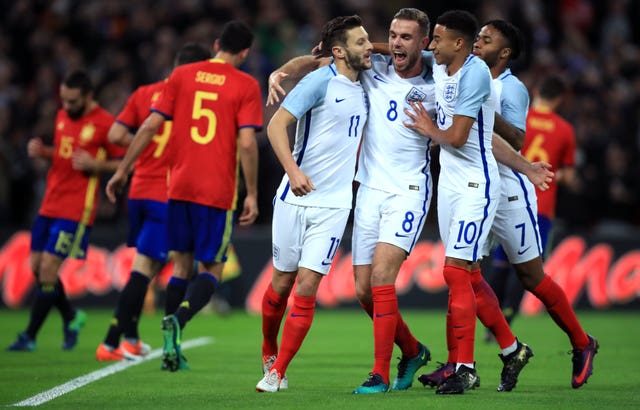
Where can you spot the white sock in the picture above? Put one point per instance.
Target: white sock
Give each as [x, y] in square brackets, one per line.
[469, 365]
[510, 349]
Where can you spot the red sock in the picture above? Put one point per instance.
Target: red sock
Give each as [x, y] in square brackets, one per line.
[557, 304]
[273, 307]
[489, 311]
[385, 320]
[462, 306]
[403, 338]
[296, 326]
[452, 345]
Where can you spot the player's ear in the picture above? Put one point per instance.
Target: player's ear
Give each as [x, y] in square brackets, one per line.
[216, 46]
[338, 51]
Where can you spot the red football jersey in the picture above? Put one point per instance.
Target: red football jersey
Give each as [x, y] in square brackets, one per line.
[72, 194]
[149, 179]
[208, 101]
[551, 139]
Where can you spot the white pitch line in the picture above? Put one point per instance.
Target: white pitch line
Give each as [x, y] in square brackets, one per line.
[71, 385]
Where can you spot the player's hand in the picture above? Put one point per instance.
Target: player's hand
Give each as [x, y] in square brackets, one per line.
[299, 183]
[116, 185]
[81, 160]
[422, 122]
[317, 51]
[249, 211]
[34, 147]
[275, 90]
[540, 175]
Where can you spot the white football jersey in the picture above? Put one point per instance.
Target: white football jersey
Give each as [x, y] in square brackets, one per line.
[332, 112]
[468, 92]
[394, 158]
[513, 104]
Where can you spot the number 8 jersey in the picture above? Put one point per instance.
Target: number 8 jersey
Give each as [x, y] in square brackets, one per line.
[208, 101]
[394, 158]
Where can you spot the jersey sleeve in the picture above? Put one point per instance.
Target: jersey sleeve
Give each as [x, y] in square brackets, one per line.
[164, 105]
[309, 92]
[473, 90]
[250, 113]
[514, 104]
[129, 114]
[569, 155]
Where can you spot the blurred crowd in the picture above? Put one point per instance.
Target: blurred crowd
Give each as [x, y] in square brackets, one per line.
[126, 43]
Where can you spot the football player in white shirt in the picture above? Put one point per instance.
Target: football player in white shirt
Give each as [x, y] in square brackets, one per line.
[312, 204]
[468, 189]
[515, 226]
[395, 190]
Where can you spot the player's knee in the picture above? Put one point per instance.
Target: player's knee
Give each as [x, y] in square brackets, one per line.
[529, 279]
[454, 275]
[364, 295]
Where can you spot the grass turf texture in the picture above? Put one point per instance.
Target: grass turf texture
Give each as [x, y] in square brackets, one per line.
[335, 358]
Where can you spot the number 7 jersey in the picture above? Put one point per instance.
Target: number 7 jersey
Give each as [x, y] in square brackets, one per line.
[208, 102]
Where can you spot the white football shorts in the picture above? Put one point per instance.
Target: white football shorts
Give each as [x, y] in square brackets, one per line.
[465, 222]
[381, 216]
[307, 237]
[516, 230]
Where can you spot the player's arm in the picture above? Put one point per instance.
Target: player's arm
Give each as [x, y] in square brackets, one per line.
[37, 149]
[277, 132]
[145, 134]
[81, 160]
[456, 135]
[294, 69]
[538, 172]
[513, 135]
[248, 148]
[119, 134]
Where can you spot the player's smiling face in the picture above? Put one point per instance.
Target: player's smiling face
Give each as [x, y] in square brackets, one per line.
[443, 44]
[489, 45]
[405, 45]
[358, 50]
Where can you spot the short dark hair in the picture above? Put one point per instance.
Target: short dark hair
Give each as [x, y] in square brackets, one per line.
[236, 36]
[551, 87]
[416, 15]
[511, 34]
[79, 79]
[461, 21]
[335, 32]
[191, 53]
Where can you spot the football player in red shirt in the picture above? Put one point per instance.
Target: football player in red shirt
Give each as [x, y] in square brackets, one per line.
[80, 153]
[147, 210]
[216, 110]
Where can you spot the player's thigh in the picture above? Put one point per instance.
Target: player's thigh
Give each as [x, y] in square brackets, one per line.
[151, 239]
[366, 224]
[321, 237]
[465, 223]
[402, 220]
[202, 230]
[287, 229]
[213, 228]
[61, 237]
[517, 231]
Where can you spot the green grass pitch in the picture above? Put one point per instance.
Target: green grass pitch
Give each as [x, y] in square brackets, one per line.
[335, 358]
